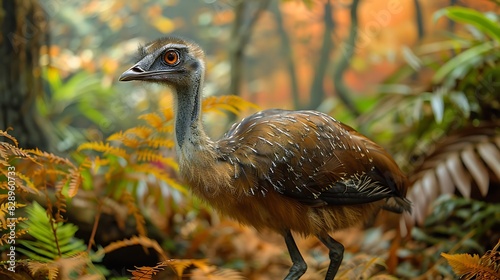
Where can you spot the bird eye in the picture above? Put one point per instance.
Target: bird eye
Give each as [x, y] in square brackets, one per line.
[171, 57]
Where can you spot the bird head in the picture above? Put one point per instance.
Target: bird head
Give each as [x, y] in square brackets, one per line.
[171, 60]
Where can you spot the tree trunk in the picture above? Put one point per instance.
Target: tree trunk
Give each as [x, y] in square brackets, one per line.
[317, 90]
[288, 53]
[348, 50]
[419, 19]
[23, 31]
[240, 36]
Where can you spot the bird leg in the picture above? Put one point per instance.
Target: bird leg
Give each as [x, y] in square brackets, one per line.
[336, 254]
[299, 266]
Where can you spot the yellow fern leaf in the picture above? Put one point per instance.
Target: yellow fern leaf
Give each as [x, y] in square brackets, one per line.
[5, 134]
[40, 269]
[6, 209]
[135, 240]
[17, 220]
[156, 143]
[50, 157]
[152, 157]
[75, 182]
[69, 265]
[125, 139]
[166, 129]
[117, 136]
[177, 265]
[98, 163]
[103, 147]
[153, 119]
[5, 238]
[140, 131]
[30, 186]
[8, 150]
[140, 222]
[160, 174]
[180, 265]
[168, 114]
[146, 272]
[466, 264]
[231, 103]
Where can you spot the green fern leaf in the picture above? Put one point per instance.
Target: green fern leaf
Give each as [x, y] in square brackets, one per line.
[47, 245]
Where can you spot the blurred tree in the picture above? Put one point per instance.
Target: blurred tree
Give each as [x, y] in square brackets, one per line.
[287, 53]
[240, 36]
[317, 91]
[419, 18]
[23, 31]
[347, 53]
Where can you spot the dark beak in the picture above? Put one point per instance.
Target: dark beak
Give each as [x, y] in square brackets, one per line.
[134, 73]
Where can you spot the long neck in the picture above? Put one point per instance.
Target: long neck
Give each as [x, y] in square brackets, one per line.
[189, 133]
[187, 115]
[197, 154]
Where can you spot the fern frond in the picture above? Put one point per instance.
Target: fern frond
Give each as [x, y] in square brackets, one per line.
[168, 114]
[152, 156]
[60, 205]
[50, 157]
[180, 265]
[491, 259]
[74, 264]
[43, 248]
[75, 181]
[117, 136]
[160, 174]
[136, 212]
[153, 119]
[231, 103]
[7, 149]
[6, 236]
[166, 129]
[124, 139]
[99, 162]
[146, 272]
[468, 266]
[6, 210]
[136, 240]
[461, 161]
[28, 186]
[5, 134]
[85, 164]
[140, 131]
[105, 148]
[156, 143]
[41, 269]
[62, 268]
[17, 220]
[177, 265]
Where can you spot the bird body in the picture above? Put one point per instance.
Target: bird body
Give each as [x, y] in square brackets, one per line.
[280, 164]
[299, 171]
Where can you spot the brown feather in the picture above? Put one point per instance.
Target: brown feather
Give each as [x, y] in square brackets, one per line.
[282, 165]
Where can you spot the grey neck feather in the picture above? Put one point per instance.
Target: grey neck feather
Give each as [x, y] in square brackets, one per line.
[188, 112]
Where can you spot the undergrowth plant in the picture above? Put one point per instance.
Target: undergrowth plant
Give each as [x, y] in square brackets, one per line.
[468, 266]
[134, 168]
[443, 111]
